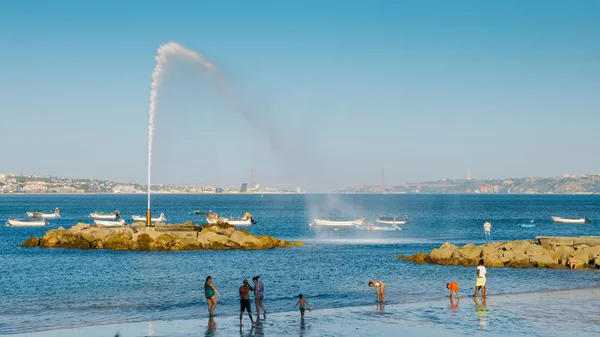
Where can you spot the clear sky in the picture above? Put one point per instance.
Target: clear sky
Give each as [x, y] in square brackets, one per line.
[334, 90]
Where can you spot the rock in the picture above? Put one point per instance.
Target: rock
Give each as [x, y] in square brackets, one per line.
[245, 240]
[444, 252]
[468, 253]
[31, 242]
[562, 252]
[78, 228]
[490, 250]
[299, 244]
[556, 266]
[419, 258]
[164, 242]
[492, 260]
[541, 260]
[581, 258]
[116, 241]
[593, 252]
[144, 241]
[596, 263]
[138, 224]
[522, 263]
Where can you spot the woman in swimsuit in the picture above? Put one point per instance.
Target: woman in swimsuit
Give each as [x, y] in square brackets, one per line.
[211, 293]
[259, 294]
[379, 290]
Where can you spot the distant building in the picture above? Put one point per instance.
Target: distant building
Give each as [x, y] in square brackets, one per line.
[468, 174]
[244, 188]
[219, 190]
[566, 175]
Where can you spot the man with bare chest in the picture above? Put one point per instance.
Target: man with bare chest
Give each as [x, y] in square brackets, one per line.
[245, 301]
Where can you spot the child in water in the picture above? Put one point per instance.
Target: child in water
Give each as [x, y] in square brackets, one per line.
[303, 306]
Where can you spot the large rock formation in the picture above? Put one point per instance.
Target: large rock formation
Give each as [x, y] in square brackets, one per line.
[185, 236]
[547, 253]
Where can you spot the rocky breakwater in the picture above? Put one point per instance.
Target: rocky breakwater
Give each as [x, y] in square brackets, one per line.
[517, 254]
[162, 237]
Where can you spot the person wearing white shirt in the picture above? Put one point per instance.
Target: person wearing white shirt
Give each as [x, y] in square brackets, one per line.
[487, 229]
[480, 283]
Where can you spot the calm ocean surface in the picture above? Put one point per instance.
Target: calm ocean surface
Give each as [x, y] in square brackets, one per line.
[52, 288]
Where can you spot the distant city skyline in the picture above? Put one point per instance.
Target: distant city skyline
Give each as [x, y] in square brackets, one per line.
[330, 94]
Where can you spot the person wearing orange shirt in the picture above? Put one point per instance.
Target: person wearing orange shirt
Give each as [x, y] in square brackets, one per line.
[453, 287]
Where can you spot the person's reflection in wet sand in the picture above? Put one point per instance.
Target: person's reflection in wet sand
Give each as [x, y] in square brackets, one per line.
[211, 328]
[302, 328]
[481, 311]
[454, 304]
[381, 306]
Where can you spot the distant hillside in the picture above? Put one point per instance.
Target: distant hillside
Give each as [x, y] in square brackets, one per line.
[584, 184]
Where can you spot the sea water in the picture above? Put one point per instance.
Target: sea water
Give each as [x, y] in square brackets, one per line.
[56, 288]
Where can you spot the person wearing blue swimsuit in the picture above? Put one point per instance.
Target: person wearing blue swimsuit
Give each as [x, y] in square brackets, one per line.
[259, 294]
[211, 293]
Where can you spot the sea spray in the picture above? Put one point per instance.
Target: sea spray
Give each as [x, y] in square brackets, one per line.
[166, 51]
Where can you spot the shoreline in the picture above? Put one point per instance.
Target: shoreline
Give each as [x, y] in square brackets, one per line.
[423, 318]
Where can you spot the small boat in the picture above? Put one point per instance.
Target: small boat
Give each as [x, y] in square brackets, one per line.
[105, 216]
[583, 220]
[40, 215]
[338, 223]
[199, 212]
[246, 220]
[26, 223]
[161, 218]
[110, 223]
[528, 225]
[391, 220]
[371, 227]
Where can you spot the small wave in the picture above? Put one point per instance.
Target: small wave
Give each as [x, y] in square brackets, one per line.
[370, 241]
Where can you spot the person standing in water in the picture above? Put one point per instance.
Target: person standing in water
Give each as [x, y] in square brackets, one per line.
[245, 301]
[379, 290]
[453, 287]
[480, 283]
[487, 230]
[211, 293]
[259, 294]
[303, 306]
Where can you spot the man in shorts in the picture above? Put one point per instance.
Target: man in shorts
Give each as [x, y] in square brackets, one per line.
[480, 283]
[245, 301]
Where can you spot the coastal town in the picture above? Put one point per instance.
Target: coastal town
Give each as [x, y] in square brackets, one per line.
[23, 184]
[566, 184]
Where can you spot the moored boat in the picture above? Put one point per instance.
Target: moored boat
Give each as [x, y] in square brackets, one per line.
[105, 216]
[110, 223]
[391, 220]
[583, 220]
[41, 215]
[161, 218]
[26, 223]
[246, 220]
[200, 212]
[339, 223]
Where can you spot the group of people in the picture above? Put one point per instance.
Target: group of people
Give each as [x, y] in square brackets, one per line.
[211, 293]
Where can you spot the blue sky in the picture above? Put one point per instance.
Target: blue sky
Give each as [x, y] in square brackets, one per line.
[423, 89]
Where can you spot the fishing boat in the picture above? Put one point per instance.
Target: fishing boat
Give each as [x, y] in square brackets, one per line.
[26, 223]
[161, 218]
[391, 220]
[110, 223]
[338, 223]
[41, 215]
[583, 220]
[246, 220]
[105, 216]
[371, 227]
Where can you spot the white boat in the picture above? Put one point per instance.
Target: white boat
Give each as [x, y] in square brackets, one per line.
[105, 216]
[338, 223]
[26, 223]
[391, 220]
[41, 215]
[246, 220]
[583, 220]
[110, 223]
[161, 218]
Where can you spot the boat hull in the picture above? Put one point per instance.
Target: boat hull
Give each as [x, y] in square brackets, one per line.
[111, 216]
[333, 223]
[40, 215]
[235, 222]
[108, 223]
[26, 223]
[580, 221]
[161, 218]
[391, 222]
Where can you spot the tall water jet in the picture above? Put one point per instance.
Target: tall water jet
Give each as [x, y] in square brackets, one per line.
[164, 52]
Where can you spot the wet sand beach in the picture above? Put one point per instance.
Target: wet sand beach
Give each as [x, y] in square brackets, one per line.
[557, 313]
